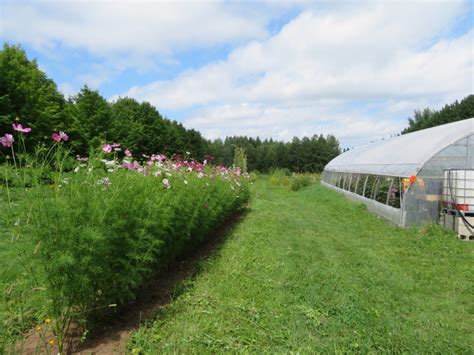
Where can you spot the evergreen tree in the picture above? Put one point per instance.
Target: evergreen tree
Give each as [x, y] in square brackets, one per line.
[449, 113]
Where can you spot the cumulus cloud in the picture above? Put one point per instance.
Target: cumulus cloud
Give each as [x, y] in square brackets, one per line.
[369, 53]
[401, 54]
[285, 121]
[127, 27]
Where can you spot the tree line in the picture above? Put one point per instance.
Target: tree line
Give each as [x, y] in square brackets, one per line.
[426, 118]
[309, 154]
[30, 97]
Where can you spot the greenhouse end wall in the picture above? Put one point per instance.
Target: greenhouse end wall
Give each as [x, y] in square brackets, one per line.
[423, 199]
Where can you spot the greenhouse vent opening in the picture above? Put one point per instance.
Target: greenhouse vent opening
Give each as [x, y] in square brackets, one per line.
[401, 179]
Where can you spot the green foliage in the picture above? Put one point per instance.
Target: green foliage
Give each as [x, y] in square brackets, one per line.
[298, 181]
[97, 233]
[27, 93]
[293, 181]
[300, 155]
[312, 272]
[280, 177]
[456, 111]
[240, 159]
[105, 240]
[91, 117]
[26, 177]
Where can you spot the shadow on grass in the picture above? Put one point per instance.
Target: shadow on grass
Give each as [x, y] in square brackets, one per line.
[158, 292]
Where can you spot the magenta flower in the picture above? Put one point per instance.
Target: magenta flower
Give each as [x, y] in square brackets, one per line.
[107, 148]
[7, 140]
[128, 153]
[19, 128]
[61, 136]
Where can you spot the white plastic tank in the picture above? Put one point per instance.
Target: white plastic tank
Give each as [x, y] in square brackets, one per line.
[458, 189]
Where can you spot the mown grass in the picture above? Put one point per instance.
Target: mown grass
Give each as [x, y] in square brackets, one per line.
[310, 271]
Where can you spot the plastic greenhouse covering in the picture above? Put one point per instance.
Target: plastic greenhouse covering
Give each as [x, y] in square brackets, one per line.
[401, 178]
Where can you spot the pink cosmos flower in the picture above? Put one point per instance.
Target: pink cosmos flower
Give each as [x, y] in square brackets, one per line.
[128, 153]
[19, 128]
[128, 165]
[61, 136]
[161, 157]
[107, 148]
[7, 140]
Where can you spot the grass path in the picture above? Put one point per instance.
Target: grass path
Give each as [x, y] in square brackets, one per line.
[310, 271]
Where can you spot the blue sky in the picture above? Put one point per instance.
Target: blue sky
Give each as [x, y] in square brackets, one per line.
[273, 69]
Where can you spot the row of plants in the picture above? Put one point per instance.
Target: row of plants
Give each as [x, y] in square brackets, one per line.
[102, 227]
[293, 181]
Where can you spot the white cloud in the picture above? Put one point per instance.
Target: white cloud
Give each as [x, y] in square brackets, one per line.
[284, 122]
[129, 27]
[67, 89]
[371, 53]
[400, 53]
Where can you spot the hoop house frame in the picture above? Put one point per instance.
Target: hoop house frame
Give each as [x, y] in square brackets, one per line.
[400, 179]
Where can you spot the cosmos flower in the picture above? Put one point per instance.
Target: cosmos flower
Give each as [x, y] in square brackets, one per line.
[18, 127]
[107, 148]
[7, 140]
[61, 136]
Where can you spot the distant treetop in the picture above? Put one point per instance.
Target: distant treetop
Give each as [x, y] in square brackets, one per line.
[456, 111]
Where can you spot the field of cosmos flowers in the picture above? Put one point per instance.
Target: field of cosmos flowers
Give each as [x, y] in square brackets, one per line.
[81, 235]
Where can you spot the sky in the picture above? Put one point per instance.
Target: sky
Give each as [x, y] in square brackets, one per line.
[354, 69]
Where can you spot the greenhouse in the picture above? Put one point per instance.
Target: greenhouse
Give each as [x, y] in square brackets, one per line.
[401, 178]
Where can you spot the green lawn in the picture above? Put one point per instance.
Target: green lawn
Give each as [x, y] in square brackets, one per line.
[310, 271]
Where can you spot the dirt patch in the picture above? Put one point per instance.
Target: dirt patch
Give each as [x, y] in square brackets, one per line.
[112, 338]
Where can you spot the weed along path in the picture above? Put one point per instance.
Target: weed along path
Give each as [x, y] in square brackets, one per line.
[310, 271]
